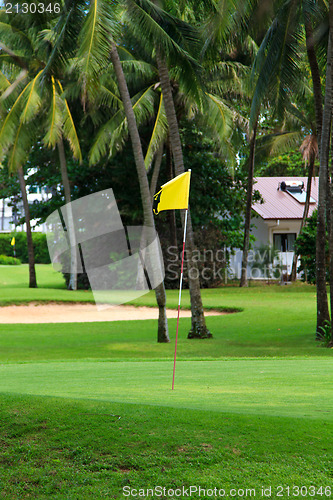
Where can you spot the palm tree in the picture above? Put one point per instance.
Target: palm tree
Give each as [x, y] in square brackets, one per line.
[87, 75]
[97, 44]
[277, 65]
[42, 89]
[154, 20]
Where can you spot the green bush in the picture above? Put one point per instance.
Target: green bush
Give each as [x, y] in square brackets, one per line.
[9, 261]
[21, 249]
[305, 245]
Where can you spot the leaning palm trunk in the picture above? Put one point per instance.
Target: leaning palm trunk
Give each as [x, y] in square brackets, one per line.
[249, 196]
[72, 285]
[162, 335]
[322, 303]
[199, 328]
[156, 171]
[31, 256]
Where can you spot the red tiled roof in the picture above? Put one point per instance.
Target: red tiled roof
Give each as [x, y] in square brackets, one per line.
[280, 204]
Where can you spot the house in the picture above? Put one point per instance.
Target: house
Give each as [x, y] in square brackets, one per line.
[11, 210]
[277, 220]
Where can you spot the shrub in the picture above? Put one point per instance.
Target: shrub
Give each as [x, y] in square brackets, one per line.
[305, 245]
[21, 250]
[9, 261]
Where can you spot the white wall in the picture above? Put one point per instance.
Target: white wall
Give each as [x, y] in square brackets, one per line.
[263, 231]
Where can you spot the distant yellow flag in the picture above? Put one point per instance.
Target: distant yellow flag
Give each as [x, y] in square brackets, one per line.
[174, 194]
[13, 241]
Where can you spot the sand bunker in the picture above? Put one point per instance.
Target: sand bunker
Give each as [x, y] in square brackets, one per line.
[74, 313]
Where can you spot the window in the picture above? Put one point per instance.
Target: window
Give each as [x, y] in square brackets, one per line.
[284, 242]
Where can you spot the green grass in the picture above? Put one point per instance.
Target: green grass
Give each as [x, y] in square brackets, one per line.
[252, 407]
[69, 449]
[14, 286]
[259, 387]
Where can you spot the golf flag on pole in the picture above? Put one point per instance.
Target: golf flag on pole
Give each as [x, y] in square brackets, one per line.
[174, 194]
[13, 241]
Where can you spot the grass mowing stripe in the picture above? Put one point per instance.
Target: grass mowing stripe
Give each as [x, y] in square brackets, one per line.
[261, 387]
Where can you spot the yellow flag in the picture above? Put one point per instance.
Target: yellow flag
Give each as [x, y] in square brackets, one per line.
[13, 241]
[174, 194]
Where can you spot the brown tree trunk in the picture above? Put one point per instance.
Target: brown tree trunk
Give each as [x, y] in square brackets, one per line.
[156, 171]
[31, 255]
[162, 335]
[315, 75]
[199, 328]
[3, 214]
[72, 285]
[248, 209]
[305, 213]
[322, 303]
[171, 213]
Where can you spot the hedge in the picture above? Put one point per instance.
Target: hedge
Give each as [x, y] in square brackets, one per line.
[9, 261]
[39, 242]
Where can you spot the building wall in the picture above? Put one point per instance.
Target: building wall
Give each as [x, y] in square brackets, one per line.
[264, 231]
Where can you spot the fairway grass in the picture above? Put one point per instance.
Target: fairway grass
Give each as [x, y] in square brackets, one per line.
[87, 408]
[278, 387]
[74, 449]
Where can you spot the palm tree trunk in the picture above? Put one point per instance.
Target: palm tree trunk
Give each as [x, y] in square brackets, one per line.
[156, 170]
[199, 328]
[72, 285]
[315, 75]
[171, 213]
[162, 335]
[249, 196]
[322, 303]
[305, 213]
[31, 255]
[3, 214]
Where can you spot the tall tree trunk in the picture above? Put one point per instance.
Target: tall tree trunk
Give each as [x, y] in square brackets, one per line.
[31, 255]
[156, 171]
[249, 196]
[315, 75]
[171, 213]
[162, 335]
[199, 328]
[3, 214]
[72, 285]
[330, 188]
[305, 213]
[322, 303]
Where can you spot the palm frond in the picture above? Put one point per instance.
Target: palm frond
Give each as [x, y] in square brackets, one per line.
[113, 134]
[162, 29]
[94, 42]
[11, 121]
[54, 117]
[69, 130]
[278, 58]
[33, 101]
[274, 144]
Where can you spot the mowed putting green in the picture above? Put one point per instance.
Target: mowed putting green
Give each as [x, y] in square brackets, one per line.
[275, 387]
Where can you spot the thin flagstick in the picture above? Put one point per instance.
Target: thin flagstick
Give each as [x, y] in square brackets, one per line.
[180, 294]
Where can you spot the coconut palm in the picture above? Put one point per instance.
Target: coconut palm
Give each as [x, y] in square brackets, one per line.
[173, 41]
[35, 86]
[278, 68]
[96, 46]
